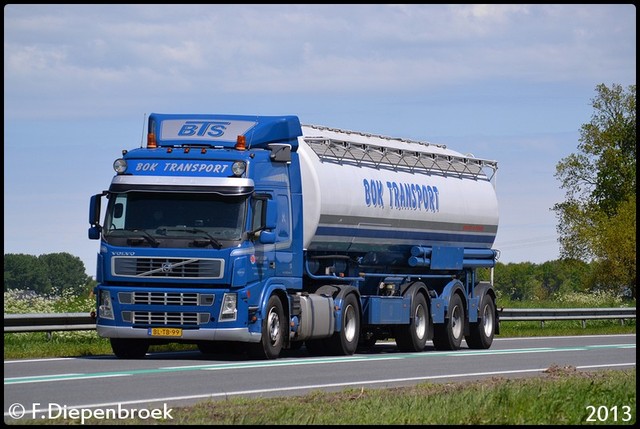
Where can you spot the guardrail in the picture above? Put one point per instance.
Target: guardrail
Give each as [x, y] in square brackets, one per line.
[49, 322]
[582, 314]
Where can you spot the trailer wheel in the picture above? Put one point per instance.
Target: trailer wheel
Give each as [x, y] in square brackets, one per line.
[448, 336]
[482, 332]
[128, 348]
[273, 331]
[413, 337]
[345, 342]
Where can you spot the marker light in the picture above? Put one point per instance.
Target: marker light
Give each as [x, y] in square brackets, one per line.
[238, 168]
[151, 141]
[120, 166]
[241, 143]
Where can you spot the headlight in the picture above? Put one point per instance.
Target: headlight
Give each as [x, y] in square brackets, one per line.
[105, 309]
[120, 165]
[229, 309]
[238, 168]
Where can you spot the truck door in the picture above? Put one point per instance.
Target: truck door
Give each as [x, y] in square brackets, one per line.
[264, 249]
[284, 255]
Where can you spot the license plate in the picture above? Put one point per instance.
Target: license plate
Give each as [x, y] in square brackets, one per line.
[165, 332]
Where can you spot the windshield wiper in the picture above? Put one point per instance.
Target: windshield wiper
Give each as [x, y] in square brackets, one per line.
[145, 235]
[210, 238]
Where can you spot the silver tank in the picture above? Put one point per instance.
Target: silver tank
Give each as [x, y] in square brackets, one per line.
[365, 192]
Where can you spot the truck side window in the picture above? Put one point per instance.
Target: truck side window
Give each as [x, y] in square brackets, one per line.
[284, 226]
[258, 215]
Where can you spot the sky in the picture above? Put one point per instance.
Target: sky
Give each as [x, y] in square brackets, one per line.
[512, 83]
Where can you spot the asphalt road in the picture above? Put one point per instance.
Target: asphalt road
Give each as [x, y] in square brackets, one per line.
[66, 387]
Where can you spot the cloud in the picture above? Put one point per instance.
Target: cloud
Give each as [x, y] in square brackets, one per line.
[118, 54]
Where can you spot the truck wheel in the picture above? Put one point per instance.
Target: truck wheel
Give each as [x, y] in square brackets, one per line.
[448, 336]
[413, 337]
[128, 348]
[273, 331]
[481, 333]
[345, 342]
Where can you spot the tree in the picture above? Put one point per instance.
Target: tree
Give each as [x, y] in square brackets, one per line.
[597, 220]
[66, 272]
[25, 272]
[46, 274]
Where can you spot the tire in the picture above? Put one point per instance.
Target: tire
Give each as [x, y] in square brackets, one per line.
[413, 337]
[345, 342]
[448, 336]
[481, 333]
[128, 348]
[274, 328]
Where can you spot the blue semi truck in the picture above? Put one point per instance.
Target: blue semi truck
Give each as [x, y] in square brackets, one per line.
[258, 234]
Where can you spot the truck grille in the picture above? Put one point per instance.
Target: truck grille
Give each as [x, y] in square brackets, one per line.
[174, 319]
[165, 298]
[128, 266]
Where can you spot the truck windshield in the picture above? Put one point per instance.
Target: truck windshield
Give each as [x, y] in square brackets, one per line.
[156, 217]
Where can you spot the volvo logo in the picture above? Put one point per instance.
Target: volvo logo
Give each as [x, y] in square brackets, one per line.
[167, 267]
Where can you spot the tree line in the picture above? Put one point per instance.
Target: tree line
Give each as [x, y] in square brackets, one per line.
[60, 273]
[48, 274]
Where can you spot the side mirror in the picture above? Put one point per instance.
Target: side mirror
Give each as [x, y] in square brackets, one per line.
[94, 209]
[94, 232]
[95, 204]
[267, 237]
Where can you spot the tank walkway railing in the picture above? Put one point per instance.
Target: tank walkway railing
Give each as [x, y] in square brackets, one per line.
[43, 322]
[410, 160]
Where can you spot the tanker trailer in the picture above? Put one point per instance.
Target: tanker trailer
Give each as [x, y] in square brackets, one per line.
[407, 223]
[255, 234]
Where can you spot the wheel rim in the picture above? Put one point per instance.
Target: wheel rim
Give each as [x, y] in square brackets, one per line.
[456, 322]
[487, 321]
[420, 322]
[273, 322]
[349, 323]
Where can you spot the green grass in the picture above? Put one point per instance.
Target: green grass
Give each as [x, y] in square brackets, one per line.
[562, 396]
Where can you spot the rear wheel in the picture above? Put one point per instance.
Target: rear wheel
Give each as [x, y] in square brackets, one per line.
[413, 337]
[345, 342]
[448, 336]
[274, 329]
[129, 348]
[481, 333]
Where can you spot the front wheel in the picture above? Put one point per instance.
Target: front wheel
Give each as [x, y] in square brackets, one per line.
[274, 328]
[448, 336]
[481, 333]
[345, 342]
